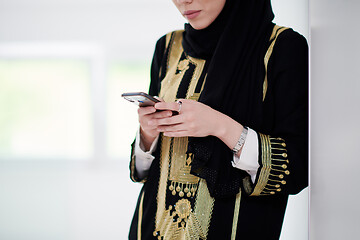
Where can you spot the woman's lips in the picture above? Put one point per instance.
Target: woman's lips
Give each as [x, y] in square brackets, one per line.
[192, 14]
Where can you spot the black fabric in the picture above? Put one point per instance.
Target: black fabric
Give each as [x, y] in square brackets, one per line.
[149, 190]
[203, 43]
[236, 42]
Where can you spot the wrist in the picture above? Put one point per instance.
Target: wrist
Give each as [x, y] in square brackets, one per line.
[146, 139]
[219, 127]
[228, 130]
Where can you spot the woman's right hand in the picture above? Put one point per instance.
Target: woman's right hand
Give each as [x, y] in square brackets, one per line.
[148, 133]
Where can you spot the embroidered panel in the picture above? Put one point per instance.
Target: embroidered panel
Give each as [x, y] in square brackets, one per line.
[184, 205]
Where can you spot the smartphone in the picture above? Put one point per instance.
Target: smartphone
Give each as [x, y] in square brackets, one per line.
[140, 98]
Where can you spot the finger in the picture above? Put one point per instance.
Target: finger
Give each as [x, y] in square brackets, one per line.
[150, 129]
[162, 118]
[146, 110]
[173, 106]
[162, 114]
[176, 134]
[177, 119]
[171, 128]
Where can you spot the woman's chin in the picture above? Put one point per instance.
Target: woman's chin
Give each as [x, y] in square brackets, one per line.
[198, 25]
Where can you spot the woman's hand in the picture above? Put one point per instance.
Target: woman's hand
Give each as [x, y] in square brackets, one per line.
[196, 119]
[148, 132]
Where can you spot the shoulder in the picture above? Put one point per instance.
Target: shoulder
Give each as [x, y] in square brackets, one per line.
[291, 48]
[163, 43]
[166, 38]
[289, 37]
[290, 42]
[292, 34]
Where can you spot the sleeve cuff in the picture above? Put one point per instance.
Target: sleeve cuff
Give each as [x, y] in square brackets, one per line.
[248, 160]
[139, 146]
[273, 172]
[143, 159]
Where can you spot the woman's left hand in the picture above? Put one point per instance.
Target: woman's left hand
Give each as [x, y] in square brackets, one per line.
[195, 119]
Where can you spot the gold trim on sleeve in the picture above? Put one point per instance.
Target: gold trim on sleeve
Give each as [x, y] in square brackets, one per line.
[133, 175]
[266, 164]
[132, 168]
[274, 166]
[275, 33]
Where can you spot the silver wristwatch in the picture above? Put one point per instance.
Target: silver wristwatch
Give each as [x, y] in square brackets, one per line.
[241, 141]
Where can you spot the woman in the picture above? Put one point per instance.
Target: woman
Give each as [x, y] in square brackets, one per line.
[220, 155]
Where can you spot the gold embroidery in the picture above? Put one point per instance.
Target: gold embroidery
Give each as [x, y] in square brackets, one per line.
[266, 162]
[180, 169]
[183, 65]
[197, 73]
[187, 189]
[275, 33]
[236, 215]
[133, 172]
[274, 171]
[183, 209]
[161, 196]
[140, 216]
[195, 96]
[180, 221]
[202, 213]
[175, 50]
[132, 167]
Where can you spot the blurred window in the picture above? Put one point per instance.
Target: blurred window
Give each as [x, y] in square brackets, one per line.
[122, 120]
[64, 103]
[45, 109]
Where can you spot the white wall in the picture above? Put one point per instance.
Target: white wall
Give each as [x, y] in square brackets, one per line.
[335, 118]
[95, 199]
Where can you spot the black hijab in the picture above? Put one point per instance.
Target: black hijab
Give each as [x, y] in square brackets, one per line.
[235, 44]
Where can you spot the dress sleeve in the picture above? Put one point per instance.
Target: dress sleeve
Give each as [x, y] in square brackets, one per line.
[153, 90]
[156, 66]
[283, 151]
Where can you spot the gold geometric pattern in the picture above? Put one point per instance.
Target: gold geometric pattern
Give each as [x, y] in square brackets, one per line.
[181, 220]
[183, 209]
